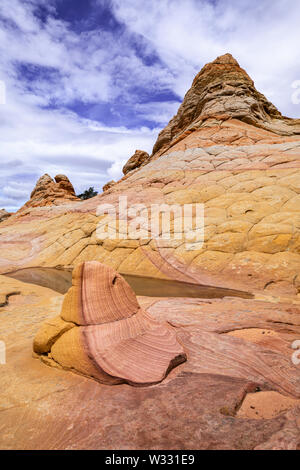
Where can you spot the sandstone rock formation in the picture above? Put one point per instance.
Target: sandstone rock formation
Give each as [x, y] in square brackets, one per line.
[108, 185]
[138, 159]
[51, 192]
[103, 333]
[223, 90]
[229, 149]
[4, 215]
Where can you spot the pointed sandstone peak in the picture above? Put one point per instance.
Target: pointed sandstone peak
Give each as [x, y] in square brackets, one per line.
[49, 191]
[103, 333]
[42, 184]
[222, 90]
[226, 59]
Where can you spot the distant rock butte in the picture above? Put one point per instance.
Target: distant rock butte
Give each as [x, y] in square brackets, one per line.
[51, 192]
[228, 148]
[103, 333]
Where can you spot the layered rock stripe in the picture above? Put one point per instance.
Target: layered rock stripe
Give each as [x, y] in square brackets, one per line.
[103, 333]
[228, 148]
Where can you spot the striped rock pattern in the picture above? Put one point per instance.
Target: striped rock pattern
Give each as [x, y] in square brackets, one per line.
[103, 333]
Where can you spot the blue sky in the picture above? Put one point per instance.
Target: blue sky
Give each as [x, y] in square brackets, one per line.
[89, 81]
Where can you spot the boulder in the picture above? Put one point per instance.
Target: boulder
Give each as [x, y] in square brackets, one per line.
[138, 159]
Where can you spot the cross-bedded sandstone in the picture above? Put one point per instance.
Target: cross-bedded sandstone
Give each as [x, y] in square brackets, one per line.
[103, 333]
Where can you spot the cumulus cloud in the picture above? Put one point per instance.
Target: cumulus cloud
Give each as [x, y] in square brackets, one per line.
[83, 95]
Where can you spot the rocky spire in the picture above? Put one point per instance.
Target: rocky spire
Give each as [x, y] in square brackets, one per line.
[51, 192]
[223, 90]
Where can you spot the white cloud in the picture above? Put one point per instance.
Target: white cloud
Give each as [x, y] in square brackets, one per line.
[115, 170]
[15, 190]
[160, 112]
[79, 67]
